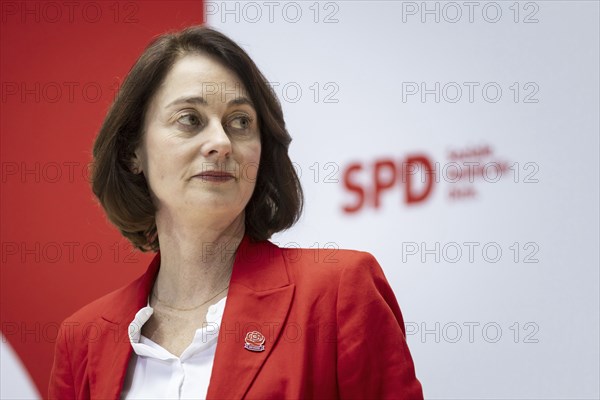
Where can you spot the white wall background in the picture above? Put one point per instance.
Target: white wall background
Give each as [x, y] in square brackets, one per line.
[480, 327]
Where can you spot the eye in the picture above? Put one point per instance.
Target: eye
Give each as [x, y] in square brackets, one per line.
[189, 119]
[241, 122]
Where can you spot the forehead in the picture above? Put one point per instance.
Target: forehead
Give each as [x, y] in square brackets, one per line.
[200, 75]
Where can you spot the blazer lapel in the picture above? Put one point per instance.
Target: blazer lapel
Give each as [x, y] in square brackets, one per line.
[109, 354]
[259, 299]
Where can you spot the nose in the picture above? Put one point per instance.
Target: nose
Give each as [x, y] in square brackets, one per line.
[216, 144]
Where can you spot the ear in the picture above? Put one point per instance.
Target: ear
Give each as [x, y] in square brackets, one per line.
[135, 163]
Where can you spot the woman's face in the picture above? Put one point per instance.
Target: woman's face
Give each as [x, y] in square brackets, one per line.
[201, 144]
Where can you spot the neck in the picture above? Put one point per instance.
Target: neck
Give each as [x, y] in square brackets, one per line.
[196, 258]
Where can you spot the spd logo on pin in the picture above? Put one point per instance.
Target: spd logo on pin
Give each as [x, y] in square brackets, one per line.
[255, 341]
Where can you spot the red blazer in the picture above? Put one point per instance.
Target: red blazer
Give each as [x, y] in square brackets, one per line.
[332, 329]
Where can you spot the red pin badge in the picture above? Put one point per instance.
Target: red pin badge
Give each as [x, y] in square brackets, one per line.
[255, 341]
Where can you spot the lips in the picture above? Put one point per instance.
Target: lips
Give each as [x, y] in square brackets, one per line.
[215, 176]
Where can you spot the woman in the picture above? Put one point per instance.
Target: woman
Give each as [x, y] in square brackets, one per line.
[192, 162]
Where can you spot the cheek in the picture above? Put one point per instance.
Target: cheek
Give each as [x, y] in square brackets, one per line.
[251, 161]
[160, 161]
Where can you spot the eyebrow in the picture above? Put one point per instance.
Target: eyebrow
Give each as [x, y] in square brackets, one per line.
[201, 100]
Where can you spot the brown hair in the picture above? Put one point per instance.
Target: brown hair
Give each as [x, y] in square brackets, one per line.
[277, 200]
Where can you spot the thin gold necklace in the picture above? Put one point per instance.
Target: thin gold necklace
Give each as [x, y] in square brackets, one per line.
[186, 309]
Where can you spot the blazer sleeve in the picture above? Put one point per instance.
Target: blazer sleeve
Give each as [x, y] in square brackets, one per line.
[373, 358]
[61, 377]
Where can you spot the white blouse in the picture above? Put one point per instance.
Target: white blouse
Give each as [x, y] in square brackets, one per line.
[155, 373]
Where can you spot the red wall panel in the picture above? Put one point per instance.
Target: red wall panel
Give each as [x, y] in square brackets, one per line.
[60, 65]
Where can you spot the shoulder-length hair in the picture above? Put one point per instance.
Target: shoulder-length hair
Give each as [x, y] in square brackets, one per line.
[277, 200]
